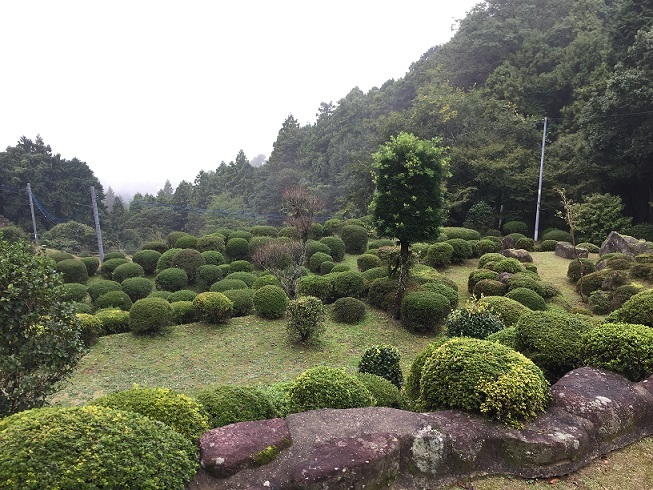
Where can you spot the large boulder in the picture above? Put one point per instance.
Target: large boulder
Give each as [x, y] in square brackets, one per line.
[624, 244]
[518, 253]
[568, 251]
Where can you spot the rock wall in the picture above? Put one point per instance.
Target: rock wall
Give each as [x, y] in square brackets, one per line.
[592, 412]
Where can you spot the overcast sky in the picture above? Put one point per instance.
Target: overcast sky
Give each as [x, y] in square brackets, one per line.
[145, 91]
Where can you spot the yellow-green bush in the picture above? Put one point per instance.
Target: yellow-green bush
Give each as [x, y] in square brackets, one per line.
[150, 315]
[213, 307]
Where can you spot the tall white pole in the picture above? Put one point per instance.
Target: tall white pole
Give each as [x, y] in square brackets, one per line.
[96, 217]
[31, 208]
[539, 185]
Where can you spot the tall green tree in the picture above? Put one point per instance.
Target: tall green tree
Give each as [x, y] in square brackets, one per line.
[407, 204]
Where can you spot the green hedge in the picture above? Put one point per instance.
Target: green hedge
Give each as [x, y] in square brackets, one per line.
[150, 315]
[213, 307]
[384, 361]
[73, 270]
[171, 279]
[230, 404]
[147, 259]
[327, 387]
[270, 302]
[424, 311]
[125, 271]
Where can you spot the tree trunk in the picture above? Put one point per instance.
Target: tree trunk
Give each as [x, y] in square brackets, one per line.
[403, 279]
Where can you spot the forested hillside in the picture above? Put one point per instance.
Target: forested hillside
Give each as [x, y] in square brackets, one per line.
[586, 65]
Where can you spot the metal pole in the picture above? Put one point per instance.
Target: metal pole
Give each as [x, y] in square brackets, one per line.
[539, 185]
[96, 217]
[31, 208]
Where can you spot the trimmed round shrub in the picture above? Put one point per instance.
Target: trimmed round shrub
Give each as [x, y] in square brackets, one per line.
[485, 246]
[488, 258]
[243, 304]
[515, 227]
[183, 312]
[82, 308]
[207, 275]
[424, 311]
[73, 291]
[12, 234]
[224, 232]
[528, 298]
[557, 235]
[411, 387]
[165, 261]
[368, 261]
[605, 279]
[92, 265]
[137, 287]
[171, 279]
[516, 236]
[348, 310]
[459, 232]
[305, 319]
[227, 284]
[551, 340]
[332, 226]
[188, 260]
[182, 413]
[257, 242]
[115, 255]
[336, 247]
[213, 307]
[237, 249]
[101, 286]
[230, 404]
[340, 268]
[641, 270]
[599, 302]
[381, 242]
[489, 287]
[623, 294]
[548, 245]
[644, 258]
[147, 259]
[382, 293]
[92, 447]
[210, 242]
[326, 267]
[508, 264]
[355, 222]
[125, 271]
[638, 309]
[348, 283]
[91, 328]
[327, 387]
[443, 289]
[58, 255]
[212, 257]
[624, 348]
[505, 337]
[508, 310]
[289, 232]
[382, 360]
[316, 260]
[315, 231]
[473, 320]
[485, 377]
[158, 246]
[264, 230]
[527, 244]
[355, 239]
[264, 280]
[478, 275]
[113, 320]
[590, 247]
[159, 294]
[372, 274]
[270, 302]
[317, 286]
[186, 241]
[384, 392]
[182, 295]
[522, 280]
[462, 250]
[313, 247]
[150, 315]
[246, 235]
[240, 266]
[115, 299]
[107, 267]
[247, 277]
[73, 270]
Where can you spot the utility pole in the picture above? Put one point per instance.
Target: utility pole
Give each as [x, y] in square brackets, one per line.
[31, 208]
[96, 217]
[539, 186]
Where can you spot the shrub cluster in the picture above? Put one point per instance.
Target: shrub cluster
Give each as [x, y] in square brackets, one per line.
[73, 291]
[368, 261]
[316, 260]
[508, 310]
[113, 320]
[188, 260]
[109, 265]
[92, 265]
[382, 360]
[514, 227]
[91, 328]
[137, 287]
[183, 312]
[528, 298]
[336, 247]
[462, 250]
[237, 248]
[638, 309]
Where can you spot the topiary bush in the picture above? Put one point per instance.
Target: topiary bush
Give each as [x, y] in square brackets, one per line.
[489, 287]
[443, 289]
[246, 235]
[368, 261]
[332, 226]
[230, 404]
[599, 302]
[354, 238]
[115, 255]
[457, 232]
[213, 307]
[264, 280]
[150, 315]
[115, 299]
[485, 246]
[551, 340]
[137, 287]
[605, 279]
[424, 311]
[439, 255]
[289, 232]
[147, 259]
[186, 241]
[508, 310]
[514, 226]
[528, 298]
[485, 377]
[183, 312]
[92, 265]
[210, 242]
[125, 271]
[73, 291]
[227, 284]
[317, 286]
[107, 267]
[504, 337]
[508, 264]
[527, 244]
[305, 319]
[475, 320]
[237, 248]
[158, 246]
[247, 277]
[92, 447]
[382, 292]
[113, 320]
[171, 279]
[488, 258]
[72, 270]
[638, 309]
[557, 235]
[99, 287]
[207, 275]
[382, 360]
[462, 250]
[211, 257]
[348, 283]
[91, 328]
[624, 348]
[336, 247]
[241, 266]
[264, 230]
[165, 261]
[327, 387]
[590, 247]
[160, 294]
[58, 255]
[270, 302]
[348, 310]
[188, 260]
[384, 392]
[411, 387]
[478, 275]
[180, 412]
[316, 260]
[182, 295]
[242, 300]
[548, 245]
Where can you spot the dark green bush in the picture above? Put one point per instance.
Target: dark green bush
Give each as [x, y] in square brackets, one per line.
[605, 279]
[327, 387]
[115, 299]
[230, 404]
[638, 309]
[242, 300]
[348, 310]
[247, 277]
[137, 287]
[486, 377]
[439, 255]
[73, 291]
[383, 391]
[527, 244]
[92, 265]
[183, 312]
[158, 246]
[171, 279]
[525, 280]
[424, 311]
[478, 275]
[336, 247]
[528, 298]
[207, 275]
[443, 289]
[125, 271]
[270, 302]
[278, 395]
[12, 234]
[264, 280]
[113, 320]
[237, 249]
[368, 261]
[485, 246]
[508, 264]
[159, 294]
[91, 328]
[58, 255]
[314, 246]
[186, 241]
[557, 235]
[355, 239]
[317, 286]
[332, 226]
[210, 243]
[641, 270]
[340, 268]
[624, 348]
[305, 319]
[73, 270]
[92, 447]
[326, 267]
[316, 260]
[457, 232]
[488, 258]
[257, 242]
[600, 302]
[551, 340]
[348, 283]
[643, 231]
[107, 267]
[505, 337]
[82, 308]
[510, 227]
[228, 284]
[382, 293]
[382, 360]
[508, 310]
[246, 235]
[182, 413]
[489, 287]
[381, 242]
[315, 231]
[115, 255]
[475, 320]
[99, 287]
[462, 250]
[147, 259]
[188, 260]
[241, 266]
[213, 307]
[289, 232]
[264, 230]
[165, 261]
[548, 245]
[212, 257]
[182, 295]
[150, 315]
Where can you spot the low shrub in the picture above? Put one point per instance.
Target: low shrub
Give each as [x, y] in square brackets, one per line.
[289, 232]
[316, 231]
[125, 271]
[115, 255]
[528, 281]
[213, 307]
[157, 246]
[182, 413]
[147, 259]
[590, 247]
[486, 377]
[264, 280]
[101, 286]
[368, 261]
[514, 227]
[314, 246]
[165, 261]
[348, 310]
[443, 289]
[557, 235]
[528, 298]
[332, 226]
[73, 291]
[241, 266]
[605, 279]
[475, 320]
[478, 275]
[439, 255]
[210, 242]
[237, 249]
[189, 260]
[381, 242]
[150, 315]
[354, 238]
[91, 328]
[270, 302]
[384, 361]
[305, 319]
[160, 294]
[326, 267]
[485, 246]
[505, 337]
[620, 263]
[527, 244]
[462, 250]
[58, 255]
[458, 232]
[316, 260]
[113, 320]
[173, 236]
[171, 279]
[137, 287]
[246, 235]
[242, 300]
[327, 387]
[489, 257]
[336, 247]
[107, 267]
[424, 311]
[207, 275]
[548, 245]
[624, 348]
[115, 299]
[264, 230]
[228, 284]
[508, 264]
[212, 257]
[229, 404]
[348, 283]
[92, 265]
[82, 308]
[92, 447]
[317, 286]
[279, 396]
[489, 287]
[247, 277]
[182, 295]
[73, 270]
[383, 391]
[599, 302]
[641, 270]
[623, 294]
[186, 242]
[638, 309]
[382, 293]
[508, 310]
[340, 268]
[183, 312]
[411, 387]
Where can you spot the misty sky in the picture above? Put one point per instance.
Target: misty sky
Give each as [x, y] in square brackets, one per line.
[145, 91]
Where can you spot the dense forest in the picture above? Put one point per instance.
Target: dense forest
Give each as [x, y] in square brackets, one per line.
[585, 65]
